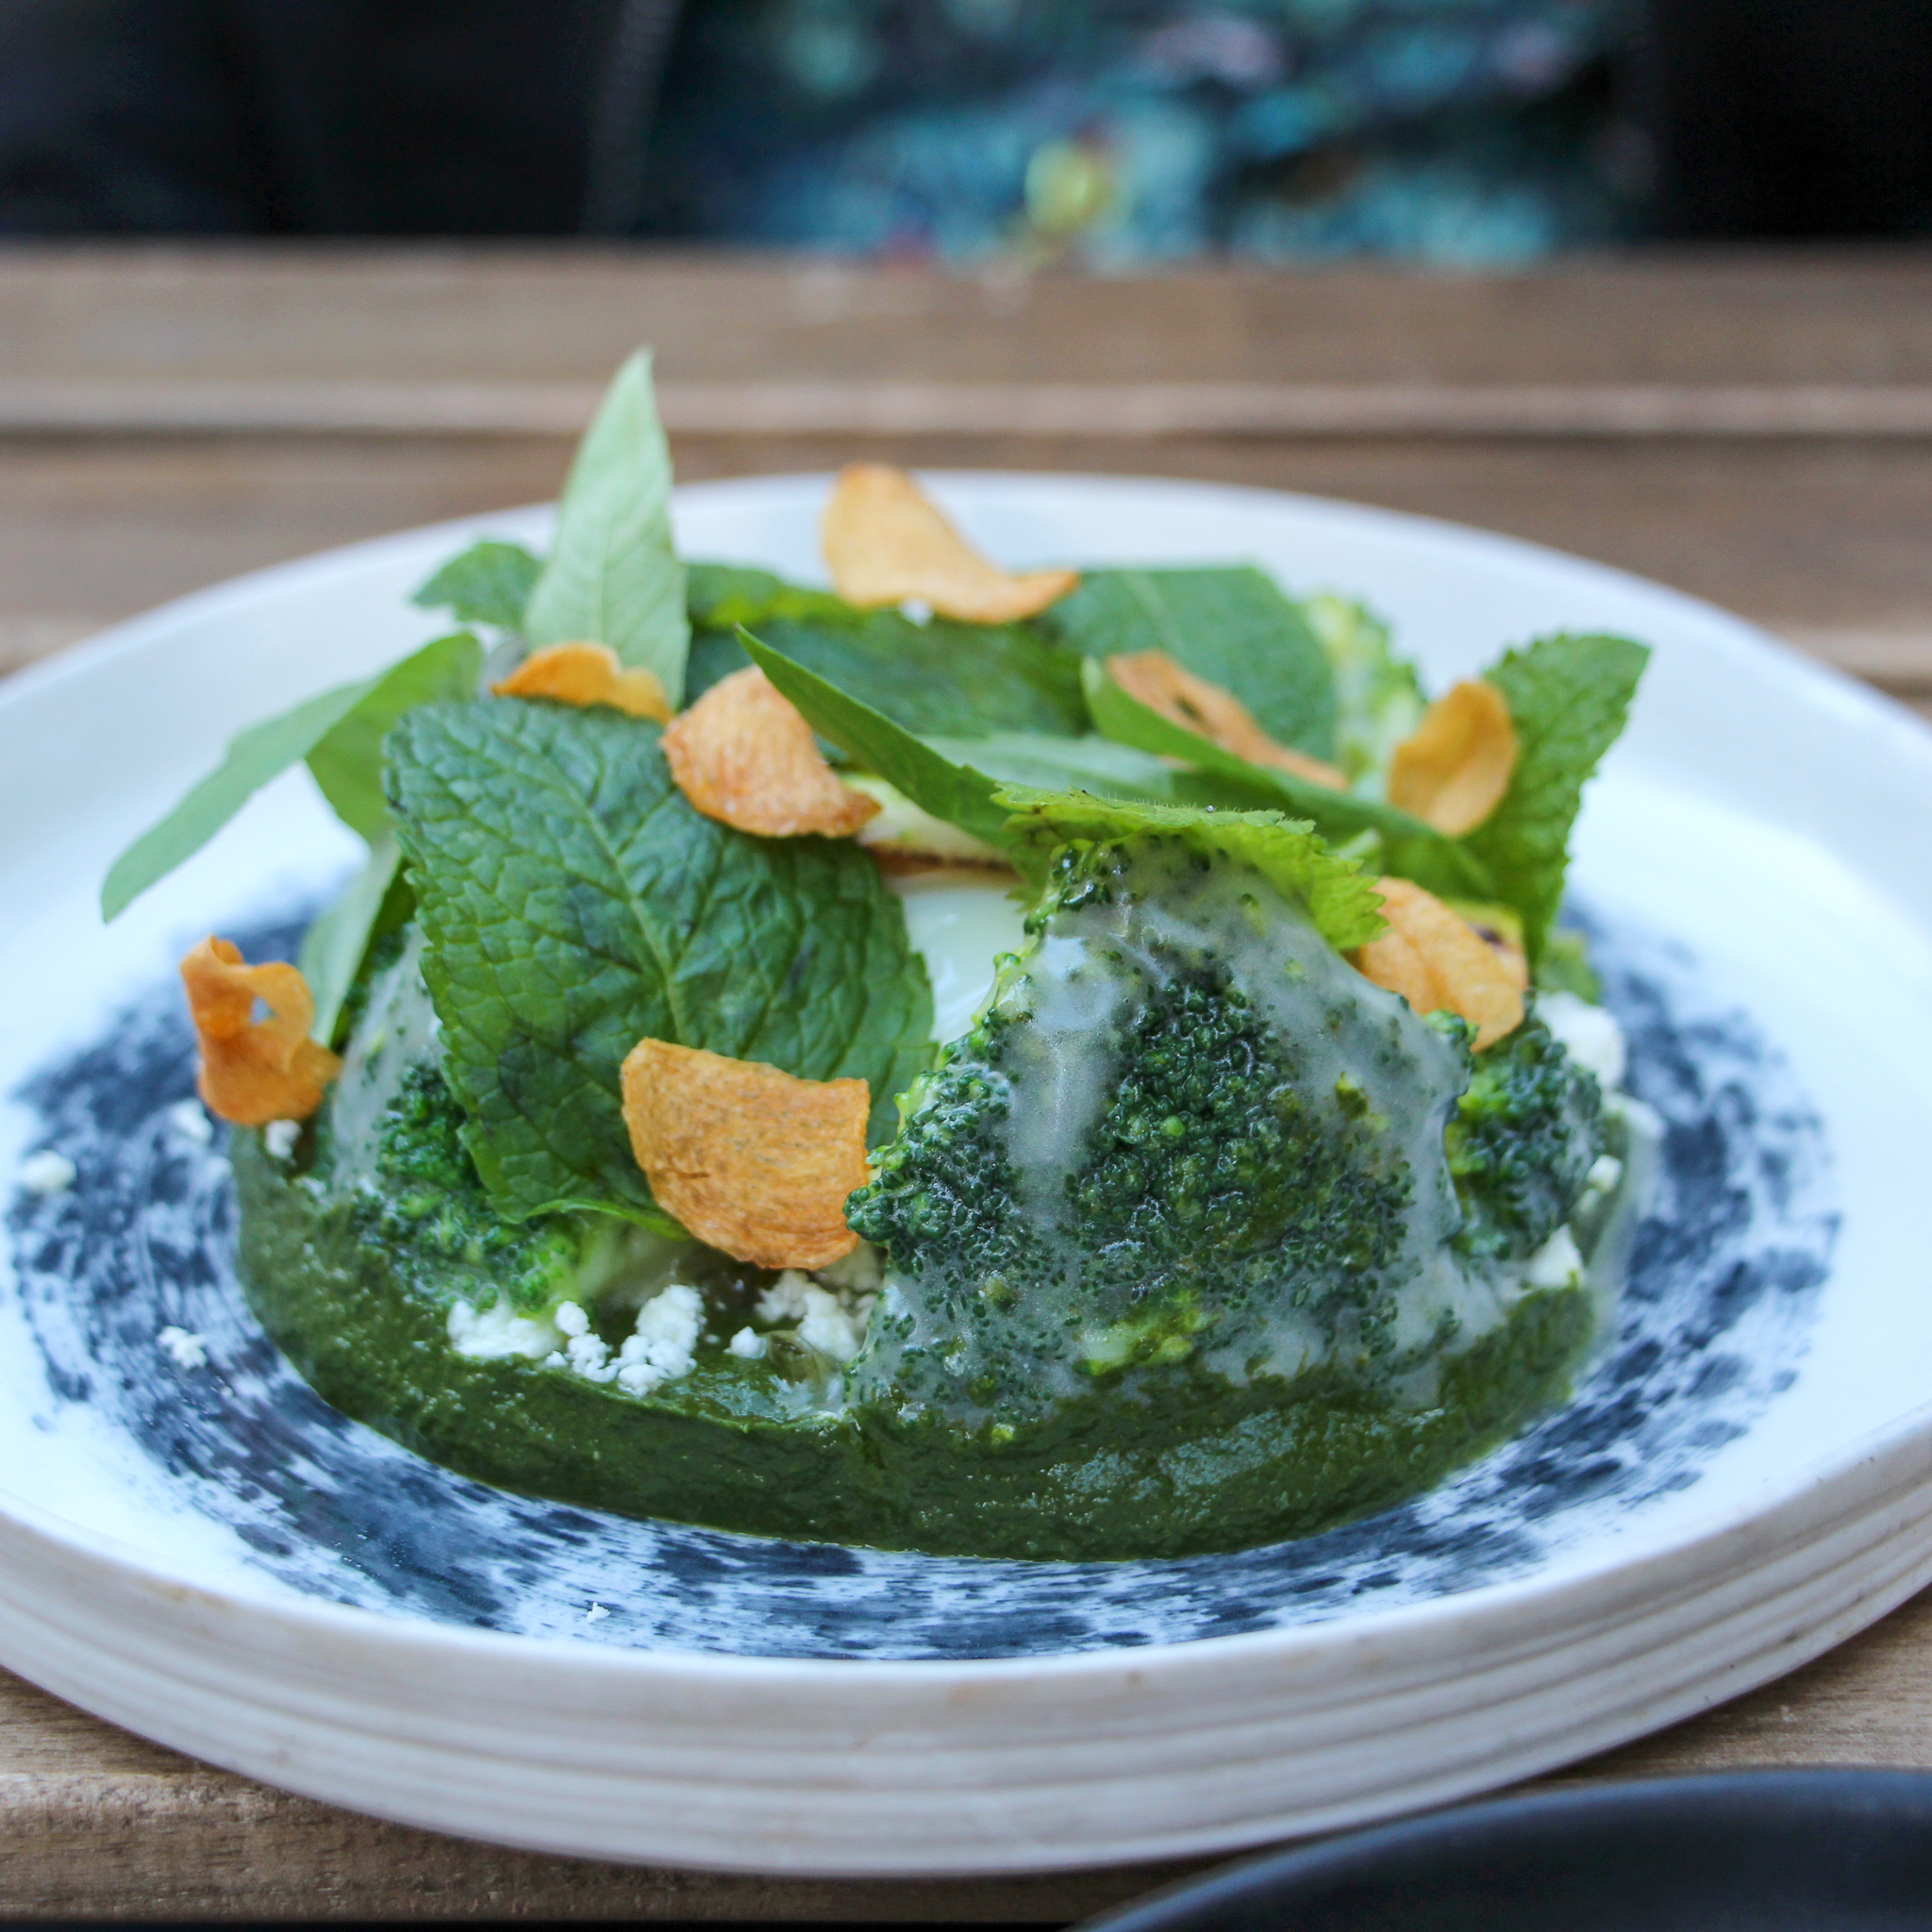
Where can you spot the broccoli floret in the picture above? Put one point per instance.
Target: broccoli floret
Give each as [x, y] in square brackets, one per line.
[1521, 1142]
[428, 1203]
[1183, 1128]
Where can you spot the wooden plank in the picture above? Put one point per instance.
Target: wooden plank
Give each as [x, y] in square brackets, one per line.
[566, 315]
[1138, 410]
[1830, 537]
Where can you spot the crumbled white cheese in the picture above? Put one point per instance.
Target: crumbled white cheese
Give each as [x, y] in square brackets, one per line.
[595, 1614]
[186, 1351]
[590, 1356]
[1588, 1034]
[831, 1327]
[497, 1332]
[189, 1119]
[1558, 1263]
[279, 1138]
[1606, 1172]
[748, 1345]
[663, 1345]
[571, 1320]
[832, 1323]
[47, 1173]
[859, 1273]
[785, 1300]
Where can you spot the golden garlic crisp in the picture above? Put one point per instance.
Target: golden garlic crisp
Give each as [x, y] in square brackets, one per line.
[586, 674]
[1153, 678]
[744, 756]
[253, 1071]
[755, 1162]
[1440, 963]
[886, 543]
[1452, 772]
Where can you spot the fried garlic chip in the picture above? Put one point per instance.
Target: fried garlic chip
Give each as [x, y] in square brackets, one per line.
[1452, 772]
[253, 1071]
[1210, 712]
[885, 543]
[1440, 963]
[1500, 928]
[586, 674]
[754, 1161]
[743, 754]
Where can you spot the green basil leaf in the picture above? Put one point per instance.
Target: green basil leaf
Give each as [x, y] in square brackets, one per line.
[573, 902]
[938, 679]
[1341, 899]
[1233, 626]
[1410, 849]
[489, 583]
[265, 751]
[948, 787]
[376, 901]
[1070, 764]
[1568, 698]
[346, 761]
[613, 576]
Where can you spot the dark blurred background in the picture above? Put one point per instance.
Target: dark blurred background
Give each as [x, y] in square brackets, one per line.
[1110, 133]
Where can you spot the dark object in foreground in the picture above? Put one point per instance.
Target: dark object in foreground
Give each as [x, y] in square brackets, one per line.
[1768, 1848]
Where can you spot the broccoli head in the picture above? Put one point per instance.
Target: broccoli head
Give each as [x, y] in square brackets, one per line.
[1521, 1142]
[1185, 1129]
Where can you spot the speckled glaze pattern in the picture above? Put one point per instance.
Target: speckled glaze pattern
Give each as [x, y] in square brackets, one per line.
[1711, 1327]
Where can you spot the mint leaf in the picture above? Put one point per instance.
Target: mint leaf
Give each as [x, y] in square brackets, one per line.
[489, 583]
[723, 596]
[265, 751]
[1410, 849]
[948, 787]
[938, 680]
[1069, 764]
[1378, 697]
[346, 760]
[1232, 626]
[1289, 854]
[1568, 699]
[571, 902]
[613, 576]
[376, 901]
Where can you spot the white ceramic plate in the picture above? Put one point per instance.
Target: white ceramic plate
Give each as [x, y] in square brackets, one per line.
[210, 1556]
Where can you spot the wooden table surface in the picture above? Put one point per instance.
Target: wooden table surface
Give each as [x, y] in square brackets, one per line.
[1755, 428]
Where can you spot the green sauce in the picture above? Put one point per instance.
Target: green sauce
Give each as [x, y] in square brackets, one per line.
[1181, 1064]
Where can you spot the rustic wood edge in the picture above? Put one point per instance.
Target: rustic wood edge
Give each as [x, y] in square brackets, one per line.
[1110, 410]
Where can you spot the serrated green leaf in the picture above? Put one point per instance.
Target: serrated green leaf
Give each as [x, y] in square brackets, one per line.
[346, 761]
[1410, 849]
[1068, 764]
[947, 788]
[938, 680]
[1288, 853]
[336, 943]
[265, 751]
[489, 583]
[1232, 626]
[573, 902]
[614, 577]
[1568, 698]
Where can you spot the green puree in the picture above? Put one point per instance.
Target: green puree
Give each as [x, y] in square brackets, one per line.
[1191, 1466]
[1183, 1256]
